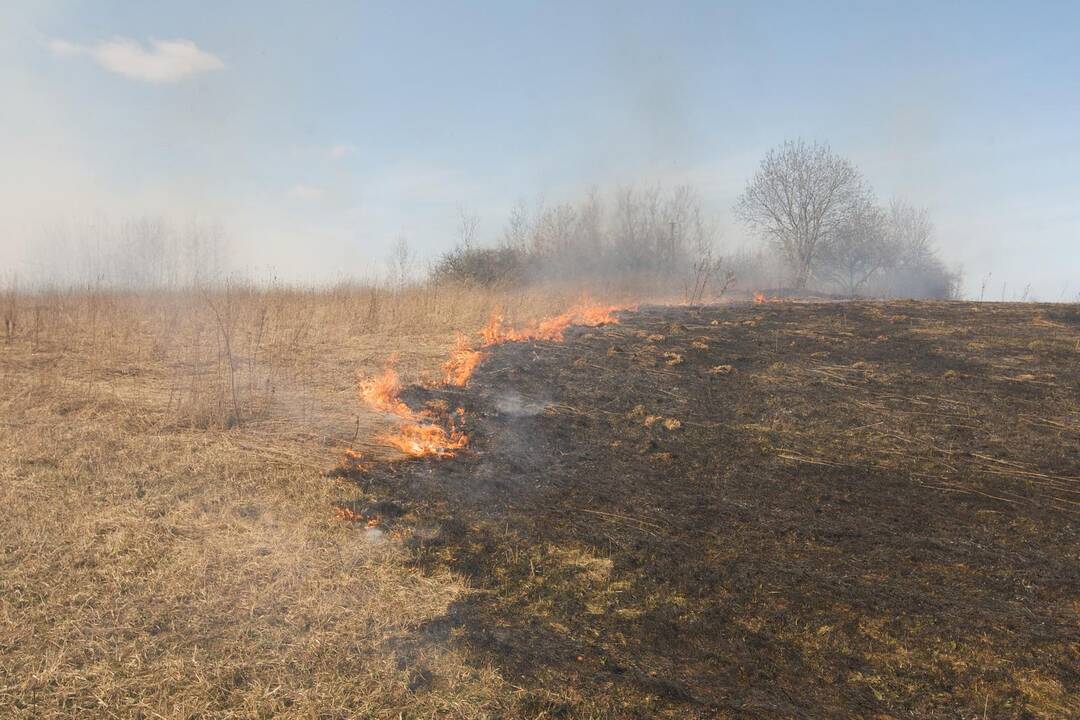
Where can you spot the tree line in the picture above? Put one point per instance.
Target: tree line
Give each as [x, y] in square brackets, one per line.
[817, 214]
[634, 232]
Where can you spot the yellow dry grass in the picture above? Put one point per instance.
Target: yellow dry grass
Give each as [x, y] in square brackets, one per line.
[168, 546]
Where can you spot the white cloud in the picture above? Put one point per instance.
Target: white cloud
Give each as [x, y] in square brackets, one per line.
[64, 48]
[343, 150]
[164, 61]
[306, 192]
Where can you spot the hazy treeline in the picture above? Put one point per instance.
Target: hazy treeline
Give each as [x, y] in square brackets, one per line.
[148, 252]
[655, 239]
[823, 229]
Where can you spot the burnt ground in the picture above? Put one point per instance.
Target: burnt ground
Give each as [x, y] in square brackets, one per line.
[784, 510]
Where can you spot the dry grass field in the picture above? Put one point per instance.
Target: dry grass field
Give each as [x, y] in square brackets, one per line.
[168, 542]
[885, 512]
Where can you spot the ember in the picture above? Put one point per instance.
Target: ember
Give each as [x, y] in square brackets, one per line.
[347, 514]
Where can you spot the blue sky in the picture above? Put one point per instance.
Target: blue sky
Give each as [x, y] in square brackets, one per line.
[319, 132]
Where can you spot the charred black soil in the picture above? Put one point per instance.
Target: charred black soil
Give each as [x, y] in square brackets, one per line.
[781, 510]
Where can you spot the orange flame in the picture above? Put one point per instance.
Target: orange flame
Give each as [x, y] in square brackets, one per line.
[759, 297]
[597, 315]
[381, 393]
[425, 439]
[463, 360]
[553, 328]
[418, 440]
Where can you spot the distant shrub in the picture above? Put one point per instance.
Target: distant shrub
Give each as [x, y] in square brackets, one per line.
[929, 278]
[483, 267]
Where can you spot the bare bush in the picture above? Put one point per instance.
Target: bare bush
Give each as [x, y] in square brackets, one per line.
[9, 307]
[916, 271]
[483, 267]
[708, 275]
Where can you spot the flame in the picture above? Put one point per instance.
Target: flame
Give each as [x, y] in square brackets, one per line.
[463, 360]
[759, 297]
[414, 437]
[381, 393]
[419, 438]
[422, 440]
[553, 328]
[597, 315]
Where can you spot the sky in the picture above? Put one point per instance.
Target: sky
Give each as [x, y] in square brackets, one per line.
[318, 133]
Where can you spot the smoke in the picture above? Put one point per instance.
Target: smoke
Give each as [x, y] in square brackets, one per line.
[514, 405]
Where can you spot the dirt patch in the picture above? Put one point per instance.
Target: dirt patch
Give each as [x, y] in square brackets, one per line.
[837, 510]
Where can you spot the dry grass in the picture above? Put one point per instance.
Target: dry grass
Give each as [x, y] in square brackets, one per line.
[168, 545]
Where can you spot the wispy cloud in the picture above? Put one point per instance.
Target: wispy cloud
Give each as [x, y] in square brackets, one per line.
[306, 192]
[64, 48]
[163, 61]
[340, 151]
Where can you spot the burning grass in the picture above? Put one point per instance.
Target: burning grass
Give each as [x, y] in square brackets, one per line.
[420, 440]
[463, 360]
[381, 392]
[586, 314]
[423, 434]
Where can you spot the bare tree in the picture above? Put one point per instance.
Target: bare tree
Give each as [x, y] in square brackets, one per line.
[400, 263]
[639, 227]
[11, 308]
[799, 196]
[858, 249]
[590, 223]
[468, 222]
[916, 269]
[553, 231]
[912, 231]
[517, 230]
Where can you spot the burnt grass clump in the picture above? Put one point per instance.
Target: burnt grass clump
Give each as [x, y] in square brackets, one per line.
[778, 510]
